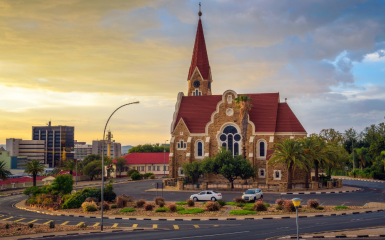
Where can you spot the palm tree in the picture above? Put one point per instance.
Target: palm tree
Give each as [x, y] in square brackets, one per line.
[289, 152]
[243, 103]
[4, 173]
[70, 165]
[34, 167]
[315, 151]
[363, 156]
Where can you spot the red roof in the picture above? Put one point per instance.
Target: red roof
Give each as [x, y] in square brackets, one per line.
[267, 114]
[74, 173]
[20, 180]
[199, 57]
[146, 158]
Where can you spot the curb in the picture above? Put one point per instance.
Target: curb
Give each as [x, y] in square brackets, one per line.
[96, 232]
[208, 219]
[10, 195]
[362, 180]
[337, 236]
[289, 193]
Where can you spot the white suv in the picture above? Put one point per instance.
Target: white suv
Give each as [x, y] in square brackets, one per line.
[252, 194]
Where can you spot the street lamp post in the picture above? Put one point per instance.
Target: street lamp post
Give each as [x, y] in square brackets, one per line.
[104, 134]
[164, 158]
[296, 202]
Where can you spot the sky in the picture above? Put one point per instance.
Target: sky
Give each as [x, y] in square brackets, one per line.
[75, 61]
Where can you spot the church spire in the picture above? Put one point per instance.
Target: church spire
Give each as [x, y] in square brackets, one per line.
[199, 57]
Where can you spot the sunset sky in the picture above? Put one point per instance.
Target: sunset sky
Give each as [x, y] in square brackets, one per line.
[75, 61]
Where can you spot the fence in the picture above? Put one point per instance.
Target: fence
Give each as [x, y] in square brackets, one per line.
[299, 186]
[20, 185]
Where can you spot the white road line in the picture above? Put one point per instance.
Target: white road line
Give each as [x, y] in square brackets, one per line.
[212, 235]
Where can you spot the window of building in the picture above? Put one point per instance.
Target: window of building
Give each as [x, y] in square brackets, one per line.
[193, 93]
[277, 175]
[199, 149]
[182, 145]
[262, 173]
[149, 168]
[168, 168]
[230, 139]
[153, 168]
[158, 168]
[142, 169]
[261, 149]
[229, 99]
[180, 172]
[196, 92]
[178, 145]
[209, 85]
[138, 169]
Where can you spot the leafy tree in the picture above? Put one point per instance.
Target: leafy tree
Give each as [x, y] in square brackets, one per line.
[363, 156]
[55, 171]
[147, 148]
[93, 169]
[70, 165]
[192, 170]
[331, 135]
[120, 163]
[131, 171]
[314, 149]
[247, 170]
[88, 159]
[136, 176]
[4, 173]
[289, 153]
[244, 105]
[63, 184]
[337, 156]
[34, 168]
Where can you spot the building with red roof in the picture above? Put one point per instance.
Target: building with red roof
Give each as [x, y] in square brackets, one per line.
[203, 123]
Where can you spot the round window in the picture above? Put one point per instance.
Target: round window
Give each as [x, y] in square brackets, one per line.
[223, 137]
[237, 137]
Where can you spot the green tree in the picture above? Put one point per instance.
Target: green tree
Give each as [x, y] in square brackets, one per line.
[247, 170]
[120, 163]
[34, 168]
[63, 184]
[289, 153]
[93, 169]
[314, 149]
[4, 173]
[89, 158]
[55, 171]
[192, 170]
[70, 165]
[147, 148]
[363, 156]
[244, 105]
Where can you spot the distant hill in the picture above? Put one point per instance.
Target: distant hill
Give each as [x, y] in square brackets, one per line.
[125, 149]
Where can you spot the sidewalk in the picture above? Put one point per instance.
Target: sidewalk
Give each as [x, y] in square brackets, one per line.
[353, 233]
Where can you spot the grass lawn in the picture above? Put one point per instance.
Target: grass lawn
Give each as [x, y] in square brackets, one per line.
[181, 203]
[127, 210]
[162, 209]
[340, 207]
[242, 212]
[191, 211]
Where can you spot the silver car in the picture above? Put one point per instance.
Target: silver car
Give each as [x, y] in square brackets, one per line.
[252, 195]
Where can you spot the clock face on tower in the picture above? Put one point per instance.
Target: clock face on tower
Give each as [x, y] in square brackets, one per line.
[197, 84]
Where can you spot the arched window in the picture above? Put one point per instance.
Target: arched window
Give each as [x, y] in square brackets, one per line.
[231, 139]
[196, 92]
[261, 149]
[200, 149]
[193, 93]
[209, 85]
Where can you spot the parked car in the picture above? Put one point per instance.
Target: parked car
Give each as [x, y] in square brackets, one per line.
[206, 196]
[252, 195]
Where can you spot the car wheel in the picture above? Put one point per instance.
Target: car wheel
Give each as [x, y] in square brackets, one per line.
[213, 199]
[195, 199]
[261, 197]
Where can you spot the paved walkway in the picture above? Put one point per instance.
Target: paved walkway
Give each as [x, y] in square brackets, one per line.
[353, 233]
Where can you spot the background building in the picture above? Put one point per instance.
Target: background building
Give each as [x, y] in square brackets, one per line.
[12, 162]
[32, 149]
[115, 148]
[57, 139]
[82, 149]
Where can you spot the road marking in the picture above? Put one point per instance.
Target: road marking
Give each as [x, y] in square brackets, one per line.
[64, 223]
[216, 225]
[79, 224]
[19, 219]
[176, 227]
[96, 224]
[7, 218]
[212, 235]
[48, 222]
[115, 225]
[196, 226]
[33, 221]
[154, 226]
[134, 225]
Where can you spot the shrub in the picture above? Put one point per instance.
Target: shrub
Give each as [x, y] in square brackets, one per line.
[91, 199]
[288, 206]
[222, 203]
[242, 212]
[30, 225]
[179, 208]
[152, 177]
[240, 204]
[131, 171]
[83, 225]
[260, 206]
[40, 198]
[190, 203]
[279, 208]
[109, 195]
[340, 207]
[140, 203]
[173, 207]
[63, 184]
[76, 200]
[239, 200]
[181, 203]
[47, 202]
[106, 206]
[191, 211]
[147, 175]
[248, 208]
[158, 199]
[312, 203]
[7, 226]
[162, 209]
[121, 202]
[34, 191]
[161, 204]
[67, 196]
[320, 208]
[113, 206]
[32, 201]
[52, 224]
[127, 210]
[280, 201]
[212, 206]
[148, 207]
[267, 205]
[89, 207]
[136, 176]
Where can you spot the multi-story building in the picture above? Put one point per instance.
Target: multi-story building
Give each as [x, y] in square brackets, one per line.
[15, 162]
[32, 149]
[82, 149]
[58, 139]
[116, 148]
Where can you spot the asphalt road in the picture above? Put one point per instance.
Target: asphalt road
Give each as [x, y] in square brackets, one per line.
[237, 229]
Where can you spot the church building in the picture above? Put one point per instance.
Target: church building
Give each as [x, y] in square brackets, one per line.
[203, 123]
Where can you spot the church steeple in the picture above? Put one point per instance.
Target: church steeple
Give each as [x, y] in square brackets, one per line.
[199, 76]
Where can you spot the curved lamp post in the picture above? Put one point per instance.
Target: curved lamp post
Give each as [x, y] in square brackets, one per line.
[164, 159]
[296, 202]
[104, 134]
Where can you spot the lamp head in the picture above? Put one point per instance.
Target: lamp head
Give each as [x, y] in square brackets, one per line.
[296, 202]
[137, 102]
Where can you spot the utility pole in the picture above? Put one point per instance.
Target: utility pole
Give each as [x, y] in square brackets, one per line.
[164, 158]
